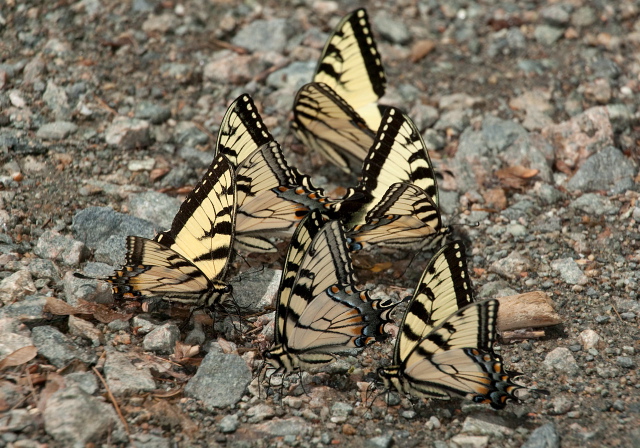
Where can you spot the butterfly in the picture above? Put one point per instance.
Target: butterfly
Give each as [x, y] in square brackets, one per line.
[338, 113]
[445, 343]
[186, 264]
[319, 312]
[396, 202]
[272, 198]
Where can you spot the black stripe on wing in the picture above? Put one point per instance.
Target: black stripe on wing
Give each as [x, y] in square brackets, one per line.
[242, 131]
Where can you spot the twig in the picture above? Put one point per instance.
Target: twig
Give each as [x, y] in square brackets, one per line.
[104, 105]
[229, 46]
[113, 400]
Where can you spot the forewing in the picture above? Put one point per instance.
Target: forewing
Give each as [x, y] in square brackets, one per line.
[242, 131]
[350, 64]
[203, 230]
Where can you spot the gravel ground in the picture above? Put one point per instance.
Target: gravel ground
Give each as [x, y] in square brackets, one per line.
[109, 110]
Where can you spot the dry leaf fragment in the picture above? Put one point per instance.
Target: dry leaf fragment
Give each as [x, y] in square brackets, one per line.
[21, 356]
[379, 267]
[420, 49]
[515, 176]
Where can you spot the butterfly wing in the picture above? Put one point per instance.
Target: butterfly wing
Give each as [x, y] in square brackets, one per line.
[187, 262]
[398, 154]
[325, 122]
[457, 358]
[444, 288]
[154, 270]
[242, 131]
[405, 218]
[319, 312]
[350, 64]
[203, 230]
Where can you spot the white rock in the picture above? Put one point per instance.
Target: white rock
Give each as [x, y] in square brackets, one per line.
[16, 286]
[590, 339]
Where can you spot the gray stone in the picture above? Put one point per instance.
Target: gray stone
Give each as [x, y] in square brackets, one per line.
[90, 290]
[86, 381]
[229, 67]
[424, 116]
[556, 15]
[57, 130]
[546, 193]
[253, 290]
[570, 271]
[259, 413]
[468, 441]
[625, 361]
[506, 42]
[123, 378]
[34, 70]
[85, 329]
[457, 120]
[128, 133]
[58, 348]
[188, 134]
[17, 420]
[54, 246]
[391, 28]
[499, 288]
[162, 339]
[547, 35]
[449, 202]
[220, 381]
[155, 113]
[228, 424]
[530, 151]
[594, 204]
[16, 286]
[500, 134]
[143, 440]
[141, 165]
[56, 98]
[562, 360]
[95, 225]
[294, 75]
[145, 323]
[284, 427]
[12, 336]
[29, 311]
[608, 169]
[620, 116]
[41, 268]
[264, 35]
[160, 23]
[521, 209]
[583, 17]
[560, 405]
[158, 208]
[383, 441]
[73, 417]
[544, 436]
[511, 266]
[493, 428]
[454, 101]
[194, 157]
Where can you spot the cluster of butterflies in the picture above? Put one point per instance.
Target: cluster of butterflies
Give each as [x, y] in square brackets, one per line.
[250, 194]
